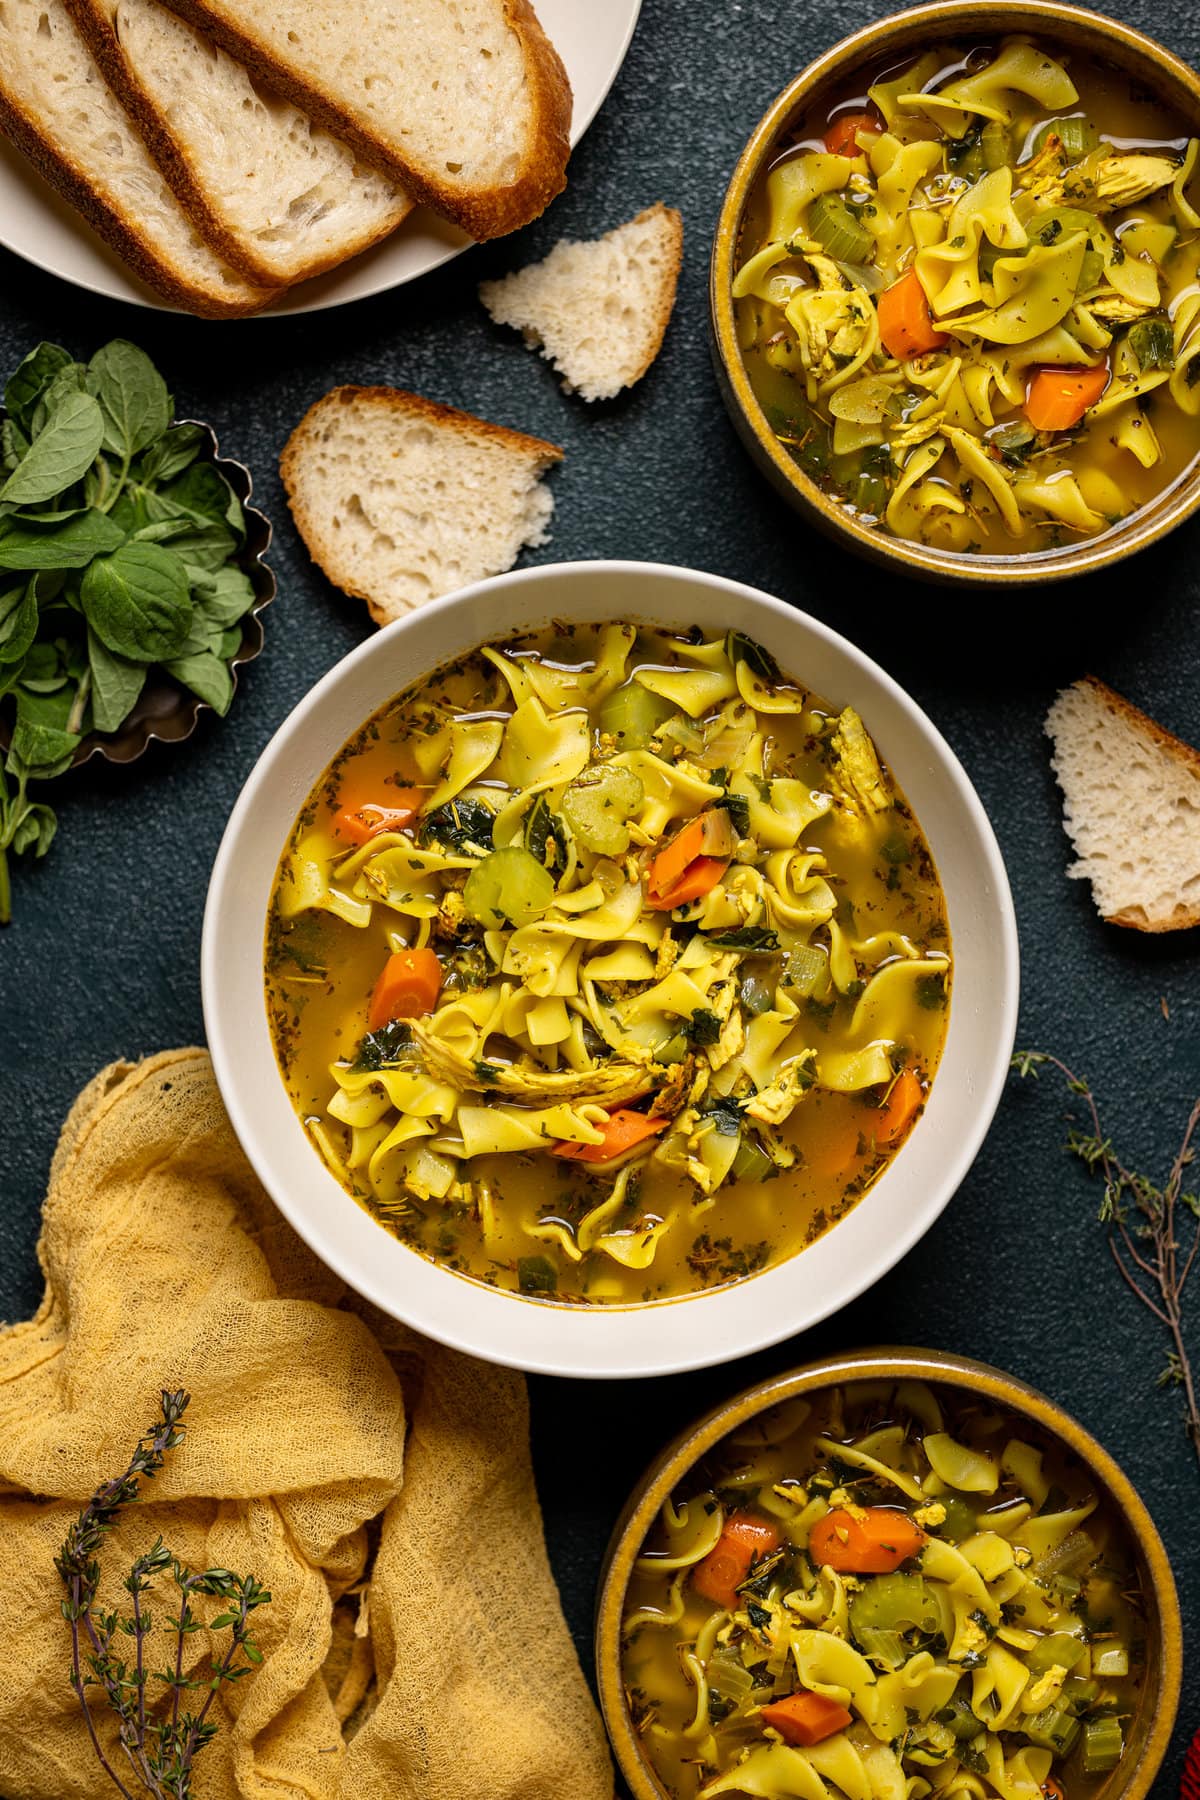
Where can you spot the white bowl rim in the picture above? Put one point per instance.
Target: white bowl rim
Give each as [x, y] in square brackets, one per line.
[604, 1341]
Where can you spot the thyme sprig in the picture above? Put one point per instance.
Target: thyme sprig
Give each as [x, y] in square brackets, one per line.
[160, 1740]
[1152, 1244]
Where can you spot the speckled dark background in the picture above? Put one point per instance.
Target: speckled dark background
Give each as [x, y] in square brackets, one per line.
[102, 961]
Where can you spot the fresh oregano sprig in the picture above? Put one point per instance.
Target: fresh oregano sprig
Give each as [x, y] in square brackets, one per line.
[160, 1739]
[119, 548]
[1152, 1242]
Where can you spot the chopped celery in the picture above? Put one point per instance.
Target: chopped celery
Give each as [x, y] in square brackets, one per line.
[1077, 133]
[1052, 1729]
[756, 995]
[895, 1603]
[960, 1521]
[868, 494]
[1056, 1648]
[835, 227]
[805, 969]
[598, 805]
[632, 714]
[995, 144]
[1110, 1661]
[674, 1050]
[1078, 1695]
[958, 1718]
[509, 887]
[751, 1162]
[1103, 1745]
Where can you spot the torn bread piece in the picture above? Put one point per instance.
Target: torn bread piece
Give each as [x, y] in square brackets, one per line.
[57, 108]
[274, 193]
[598, 310]
[1131, 808]
[400, 499]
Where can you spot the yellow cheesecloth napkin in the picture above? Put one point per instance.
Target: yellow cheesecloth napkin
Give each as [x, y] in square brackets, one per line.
[378, 1485]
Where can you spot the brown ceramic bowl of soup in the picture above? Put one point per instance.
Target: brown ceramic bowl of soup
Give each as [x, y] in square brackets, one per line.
[888, 1566]
[954, 303]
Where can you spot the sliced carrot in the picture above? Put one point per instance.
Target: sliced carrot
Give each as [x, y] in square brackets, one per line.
[407, 989]
[709, 836]
[1056, 399]
[900, 1108]
[696, 881]
[905, 321]
[1052, 1789]
[872, 1542]
[841, 139]
[624, 1130]
[805, 1718]
[745, 1537]
[358, 821]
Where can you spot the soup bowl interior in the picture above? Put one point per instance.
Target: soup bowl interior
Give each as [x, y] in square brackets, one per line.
[1147, 1733]
[824, 83]
[692, 1331]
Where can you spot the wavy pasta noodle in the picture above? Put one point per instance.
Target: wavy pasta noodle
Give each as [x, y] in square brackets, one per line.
[967, 310]
[829, 1609]
[608, 964]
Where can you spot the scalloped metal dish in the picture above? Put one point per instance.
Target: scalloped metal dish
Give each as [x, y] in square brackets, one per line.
[166, 712]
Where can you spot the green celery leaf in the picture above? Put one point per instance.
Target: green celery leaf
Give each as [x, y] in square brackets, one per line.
[133, 397]
[208, 676]
[31, 545]
[116, 685]
[18, 622]
[204, 493]
[40, 739]
[29, 382]
[137, 602]
[36, 830]
[13, 445]
[202, 548]
[60, 456]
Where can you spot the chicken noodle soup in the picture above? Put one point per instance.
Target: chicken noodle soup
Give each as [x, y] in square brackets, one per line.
[887, 1591]
[968, 298]
[608, 964]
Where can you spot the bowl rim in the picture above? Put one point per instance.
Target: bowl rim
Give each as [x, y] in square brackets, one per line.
[498, 1326]
[899, 1362]
[1160, 515]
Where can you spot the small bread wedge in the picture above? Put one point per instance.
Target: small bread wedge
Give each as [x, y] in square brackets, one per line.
[465, 103]
[598, 310]
[57, 108]
[399, 499]
[273, 193]
[1131, 807]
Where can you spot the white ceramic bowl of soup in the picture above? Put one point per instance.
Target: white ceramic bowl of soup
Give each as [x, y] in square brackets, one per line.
[692, 1331]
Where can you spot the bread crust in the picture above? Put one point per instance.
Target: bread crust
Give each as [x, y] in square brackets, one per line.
[485, 213]
[412, 406]
[95, 23]
[670, 285]
[72, 181]
[1134, 918]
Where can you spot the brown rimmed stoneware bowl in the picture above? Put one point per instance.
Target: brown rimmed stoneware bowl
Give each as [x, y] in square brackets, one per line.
[1150, 1729]
[1153, 67]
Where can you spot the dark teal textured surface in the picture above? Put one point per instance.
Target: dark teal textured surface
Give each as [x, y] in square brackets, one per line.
[102, 960]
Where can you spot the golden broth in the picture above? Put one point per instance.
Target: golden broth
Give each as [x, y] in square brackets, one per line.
[526, 1219]
[1051, 1643]
[1133, 442]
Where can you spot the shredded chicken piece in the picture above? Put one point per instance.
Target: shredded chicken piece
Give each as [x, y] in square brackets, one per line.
[607, 1084]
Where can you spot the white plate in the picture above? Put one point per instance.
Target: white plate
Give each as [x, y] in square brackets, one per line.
[705, 1328]
[591, 36]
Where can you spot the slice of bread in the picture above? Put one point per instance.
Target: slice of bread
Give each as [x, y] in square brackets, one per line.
[1132, 808]
[399, 499]
[56, 107]
[464, 102]
[598, 310]
[273, 193]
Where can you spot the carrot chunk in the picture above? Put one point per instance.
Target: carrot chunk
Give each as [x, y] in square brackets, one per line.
[905, 321]
[625, 1129]
[804, 1718]
[745, 1537]
[357, 821]
[693, 884]
[841, 139]
[900, 1108]
[407, 989]
[873, 1542]
[1056, 399]
[706, 838]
